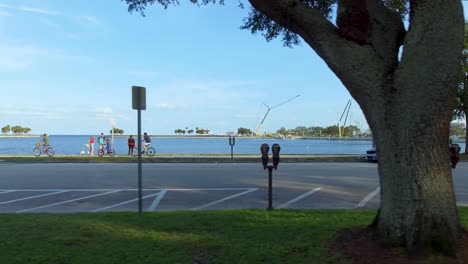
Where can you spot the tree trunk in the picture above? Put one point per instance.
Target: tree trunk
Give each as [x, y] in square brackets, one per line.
[418, 208]
[407, 102]
[466, 131]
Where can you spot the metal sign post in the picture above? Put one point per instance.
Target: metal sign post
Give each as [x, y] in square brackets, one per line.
[112, 123]
[139, 103]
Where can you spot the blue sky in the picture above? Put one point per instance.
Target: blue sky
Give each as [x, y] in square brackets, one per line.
[67, 67]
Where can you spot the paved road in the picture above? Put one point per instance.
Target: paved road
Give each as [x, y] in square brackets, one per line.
[70, 187]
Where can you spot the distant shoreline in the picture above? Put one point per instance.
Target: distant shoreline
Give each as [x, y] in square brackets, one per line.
[206, 137]
[19, 136]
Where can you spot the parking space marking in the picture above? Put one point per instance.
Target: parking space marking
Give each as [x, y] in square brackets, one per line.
[124, 189]
[157, 200]
[68, 201]
[122, 203]
[366, 199]
[225, 199]
[31, 197]
[302, 196]
[2, 192]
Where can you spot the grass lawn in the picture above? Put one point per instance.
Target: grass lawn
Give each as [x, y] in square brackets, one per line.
[248, 236]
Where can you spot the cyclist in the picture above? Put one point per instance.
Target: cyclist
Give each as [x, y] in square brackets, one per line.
[45, 139]
[108, 146]
[147, 141]
[101, 140]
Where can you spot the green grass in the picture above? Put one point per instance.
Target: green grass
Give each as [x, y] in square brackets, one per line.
[248, 236]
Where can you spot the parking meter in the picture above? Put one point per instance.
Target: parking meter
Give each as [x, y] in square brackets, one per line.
[232, 141]
[276, 156]
[264, 148]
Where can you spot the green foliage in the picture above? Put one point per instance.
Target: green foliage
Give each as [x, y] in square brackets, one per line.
[19, 130]
[257, 22]
[281, 131]
[461, 108]
[179, 131]
[330, 131]
[201, 131]
[457, 129]
[6, 129]
[117, 131]
[140, 5]
[244, 131]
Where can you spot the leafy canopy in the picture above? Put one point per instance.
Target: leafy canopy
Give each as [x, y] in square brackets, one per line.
[257, 22]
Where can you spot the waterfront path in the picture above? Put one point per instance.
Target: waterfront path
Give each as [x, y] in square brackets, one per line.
[75, 187]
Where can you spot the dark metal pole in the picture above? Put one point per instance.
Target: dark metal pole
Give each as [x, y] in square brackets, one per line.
[270, 189]
[140, 192]
[232, 152]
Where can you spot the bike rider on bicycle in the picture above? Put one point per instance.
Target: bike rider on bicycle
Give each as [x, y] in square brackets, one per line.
[45, 139]
[101, 141]
[147, 141]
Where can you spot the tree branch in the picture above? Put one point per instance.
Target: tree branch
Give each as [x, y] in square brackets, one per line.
[346, 58]
[371, 22]
[433, 42]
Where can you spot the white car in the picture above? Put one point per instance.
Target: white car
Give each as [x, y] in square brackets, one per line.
[371, 155]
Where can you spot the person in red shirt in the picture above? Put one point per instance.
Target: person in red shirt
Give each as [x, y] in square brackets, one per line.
[91, 146]
[131, 145]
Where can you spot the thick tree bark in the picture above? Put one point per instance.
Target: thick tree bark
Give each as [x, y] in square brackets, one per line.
[407, 103]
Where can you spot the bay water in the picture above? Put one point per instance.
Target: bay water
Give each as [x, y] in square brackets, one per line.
[74, 144]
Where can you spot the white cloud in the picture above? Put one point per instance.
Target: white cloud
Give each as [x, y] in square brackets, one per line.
[73, 36]
[38, 10]
[32, 113]
[164, 106]
[201, 94]
[30, 9]
[11, 64]
[19, 56]
[92, 20]
[4, 13]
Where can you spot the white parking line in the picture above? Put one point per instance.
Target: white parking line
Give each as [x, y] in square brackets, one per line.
[369, 197]
[69, 201]
[2, 192]
[224, 199]
[288, 203]
[157, 200]
[125, 189]
[31, 197]
[122, 203]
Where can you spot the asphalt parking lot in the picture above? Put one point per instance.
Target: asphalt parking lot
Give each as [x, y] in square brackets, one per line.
[71, 188]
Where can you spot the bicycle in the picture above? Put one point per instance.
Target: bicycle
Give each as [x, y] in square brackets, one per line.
[37, 151]
[150, 151]
[104, 151]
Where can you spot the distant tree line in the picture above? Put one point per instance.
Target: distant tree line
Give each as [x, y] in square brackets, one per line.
[15, 130]
[458, 130]
[117, 131]
[198, 131]
[330, 131]
[315, 131]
